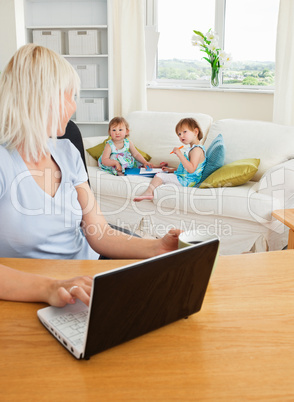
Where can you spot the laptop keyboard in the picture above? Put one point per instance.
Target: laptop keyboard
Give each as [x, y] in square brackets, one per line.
[72, 326]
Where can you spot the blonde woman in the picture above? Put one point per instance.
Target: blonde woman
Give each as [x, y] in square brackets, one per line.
[47, 209]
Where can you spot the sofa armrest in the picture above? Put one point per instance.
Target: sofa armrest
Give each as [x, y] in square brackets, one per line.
[90, 142]
[278, 181]
[90, 161]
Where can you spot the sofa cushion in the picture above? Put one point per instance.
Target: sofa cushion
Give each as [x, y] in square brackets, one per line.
[269, 142]
[215, 156]
[154, 132]
[98, 149]
[233, 174]
[236, 202]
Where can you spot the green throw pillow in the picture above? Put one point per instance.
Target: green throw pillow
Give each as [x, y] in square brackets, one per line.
[233, 174]
[97, 151]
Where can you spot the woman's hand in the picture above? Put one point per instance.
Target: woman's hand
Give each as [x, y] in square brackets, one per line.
[169, 242]
[62, 292]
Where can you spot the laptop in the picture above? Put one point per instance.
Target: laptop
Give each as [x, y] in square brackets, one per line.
[133, 300]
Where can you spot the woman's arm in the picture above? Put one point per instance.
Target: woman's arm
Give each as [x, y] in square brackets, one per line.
[115, 244]
[136, 154]
[26, 287]
[196, 157]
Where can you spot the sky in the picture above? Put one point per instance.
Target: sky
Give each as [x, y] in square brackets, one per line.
[250, 28]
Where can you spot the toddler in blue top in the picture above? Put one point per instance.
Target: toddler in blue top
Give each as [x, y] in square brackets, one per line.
[119, 152]
[192, 162]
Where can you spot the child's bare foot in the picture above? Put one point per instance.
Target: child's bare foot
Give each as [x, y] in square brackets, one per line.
[143, 197]
[147, 195]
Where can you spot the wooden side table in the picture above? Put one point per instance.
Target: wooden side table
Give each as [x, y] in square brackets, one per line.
[287, 217]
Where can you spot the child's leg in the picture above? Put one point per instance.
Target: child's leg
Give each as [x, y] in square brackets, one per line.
[149, 193]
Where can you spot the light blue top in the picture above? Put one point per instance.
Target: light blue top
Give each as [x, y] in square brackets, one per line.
[190, 179]
[32, 223]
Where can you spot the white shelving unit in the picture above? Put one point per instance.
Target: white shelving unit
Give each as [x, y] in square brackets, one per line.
[61, 18]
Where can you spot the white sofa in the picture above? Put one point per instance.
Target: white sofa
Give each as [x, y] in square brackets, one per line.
[241, 216]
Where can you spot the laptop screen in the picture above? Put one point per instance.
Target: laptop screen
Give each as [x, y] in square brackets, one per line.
[133, 300]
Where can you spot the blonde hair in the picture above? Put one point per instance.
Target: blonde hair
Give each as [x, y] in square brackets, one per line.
[191, 124]
[116, 121]
[32, 89]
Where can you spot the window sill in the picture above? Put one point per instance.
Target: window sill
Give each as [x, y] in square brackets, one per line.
[155, 85]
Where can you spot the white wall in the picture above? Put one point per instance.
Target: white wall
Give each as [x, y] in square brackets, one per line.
[7, 32]
[11, 29]
[219, 104]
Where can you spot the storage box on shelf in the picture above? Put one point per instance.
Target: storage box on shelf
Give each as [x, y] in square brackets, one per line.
[53, 39]
[86, 41]
[89, 75]
[91, 109]
[79, 31]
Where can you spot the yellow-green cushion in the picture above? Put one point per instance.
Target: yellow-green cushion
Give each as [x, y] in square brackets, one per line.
[233, 174]
[97, 151]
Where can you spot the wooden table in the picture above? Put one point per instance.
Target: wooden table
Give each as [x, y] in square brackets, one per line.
[239, 347]
[287, 217]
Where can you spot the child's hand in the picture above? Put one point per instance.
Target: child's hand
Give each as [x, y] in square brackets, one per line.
[176, 151]
[168, 169]
[117, 166]
[148, 165]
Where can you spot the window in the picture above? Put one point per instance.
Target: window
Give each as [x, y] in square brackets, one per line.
[246, 28]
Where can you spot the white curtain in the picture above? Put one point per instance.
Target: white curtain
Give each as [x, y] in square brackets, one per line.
[129, 63]
[284, 92]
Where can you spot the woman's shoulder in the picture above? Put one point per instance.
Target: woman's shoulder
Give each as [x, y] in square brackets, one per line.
[68, 158]
[5, 156]
[7, 169]
[64, 149]
[3, 150]
[63, 143]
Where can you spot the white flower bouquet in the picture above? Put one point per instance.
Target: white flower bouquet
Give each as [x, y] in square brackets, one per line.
[217, 58]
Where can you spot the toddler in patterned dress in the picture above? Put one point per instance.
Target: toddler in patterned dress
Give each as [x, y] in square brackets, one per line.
[119, 152]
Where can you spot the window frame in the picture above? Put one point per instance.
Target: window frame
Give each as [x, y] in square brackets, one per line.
[151, 21]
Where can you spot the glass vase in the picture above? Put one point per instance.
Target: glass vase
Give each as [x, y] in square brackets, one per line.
[214, 79]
